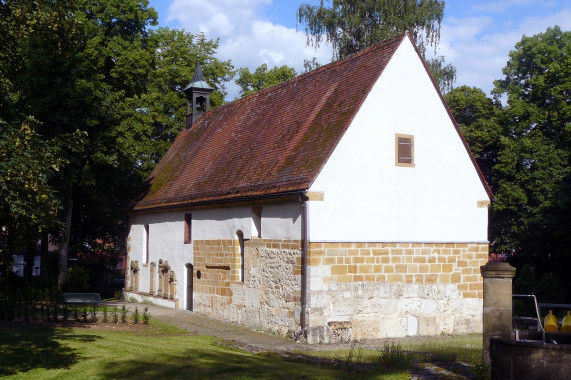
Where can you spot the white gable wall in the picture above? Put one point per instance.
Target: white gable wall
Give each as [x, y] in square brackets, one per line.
[368, 198]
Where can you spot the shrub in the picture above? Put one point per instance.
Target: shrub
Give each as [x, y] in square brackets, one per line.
[105, 315]
[392, 356]
[115, 316]
[124, 311]
[136, 316]
[146, 316]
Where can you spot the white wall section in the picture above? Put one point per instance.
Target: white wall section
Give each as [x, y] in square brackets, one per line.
[369, 198]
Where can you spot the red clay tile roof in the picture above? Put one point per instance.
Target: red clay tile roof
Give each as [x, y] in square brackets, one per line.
[272, 142]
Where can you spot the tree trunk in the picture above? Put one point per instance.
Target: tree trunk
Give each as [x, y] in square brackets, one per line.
[64, 249]
[44, 255]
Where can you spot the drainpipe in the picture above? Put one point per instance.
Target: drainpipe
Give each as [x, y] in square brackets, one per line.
[303, 322]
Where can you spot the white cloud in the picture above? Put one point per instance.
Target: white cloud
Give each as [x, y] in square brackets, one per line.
[245, 38]
[479, 46]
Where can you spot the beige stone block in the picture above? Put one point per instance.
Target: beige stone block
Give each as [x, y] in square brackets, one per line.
[338, 269]
[408, 251]
[412, 268]
[369, 277]
[462, 263]
[470, 278]
[389, 269]
[385, 259]
[456, 277]
[447, 251]
[329, 260]
[365, 268]
[370, 260]
[357, 260]
[451, 259]
[463, 287]
[396, 251]
[358, 278]
[419, 259]
[431, 278]
[346, 278]
[408, 259]
[401, 268]
[352, 269]
[315, 245]
[408, 278]
[378, 268]
[314, 261]
[416, 245]
[435, 268]
[316, 252]
[353, 252]
[444, 278]
[431, 259]
[380, 251]
[476, 286]
[380, 278]
[470, 294]
[419, 279]
[347, 260]
[441, 259]
[473, 248]
[328, 246]
[396, 259]
[340, 260]
[392, 278]
[328, 279]
[423, 268]
[447, 268]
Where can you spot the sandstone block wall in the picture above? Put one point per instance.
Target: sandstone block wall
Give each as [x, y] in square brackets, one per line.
[269, 298]
[376, 290]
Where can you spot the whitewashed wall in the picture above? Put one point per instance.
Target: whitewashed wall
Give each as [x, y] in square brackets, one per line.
[166, 235]
[368, 198]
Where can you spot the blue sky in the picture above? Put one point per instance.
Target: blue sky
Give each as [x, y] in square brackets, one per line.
[476, 35]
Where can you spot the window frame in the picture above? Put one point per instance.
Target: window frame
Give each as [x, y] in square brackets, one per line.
[187, 228]
[397, 146]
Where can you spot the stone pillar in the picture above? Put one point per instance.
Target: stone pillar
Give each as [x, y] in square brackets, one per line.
[164, 269]
[127, 277]
[153, 278]
[134, 286]
[497, 318]
[172, 285]
[160, 291]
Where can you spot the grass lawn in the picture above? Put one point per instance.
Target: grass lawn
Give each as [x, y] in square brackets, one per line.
[449, 348]
[159, 352]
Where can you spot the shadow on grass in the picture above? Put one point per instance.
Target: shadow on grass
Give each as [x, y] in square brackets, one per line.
[25, 349]
[222, 365]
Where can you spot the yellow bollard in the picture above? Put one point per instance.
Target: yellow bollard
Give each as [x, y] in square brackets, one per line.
[550, 322]
[566, 324]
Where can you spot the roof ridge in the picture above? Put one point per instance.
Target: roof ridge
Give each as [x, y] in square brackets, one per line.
[318, 70]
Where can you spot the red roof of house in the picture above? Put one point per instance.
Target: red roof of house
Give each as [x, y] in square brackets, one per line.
[272, 142]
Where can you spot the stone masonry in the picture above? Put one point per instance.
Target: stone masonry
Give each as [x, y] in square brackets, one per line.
[377, 290]
[268, 298]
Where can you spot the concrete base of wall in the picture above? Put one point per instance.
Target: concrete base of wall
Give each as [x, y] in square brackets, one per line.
[159, 301]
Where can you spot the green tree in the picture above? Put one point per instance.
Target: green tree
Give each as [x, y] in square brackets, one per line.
[95, 67]
[478, 118]
[262, 78]
[531, 215]
[153, 118]
[28, 204]
[353, 25]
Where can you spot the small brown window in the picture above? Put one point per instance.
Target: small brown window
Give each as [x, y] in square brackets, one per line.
[404, 150]
[187, 228]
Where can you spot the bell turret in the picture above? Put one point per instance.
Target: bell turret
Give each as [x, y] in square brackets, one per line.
[197, 96]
